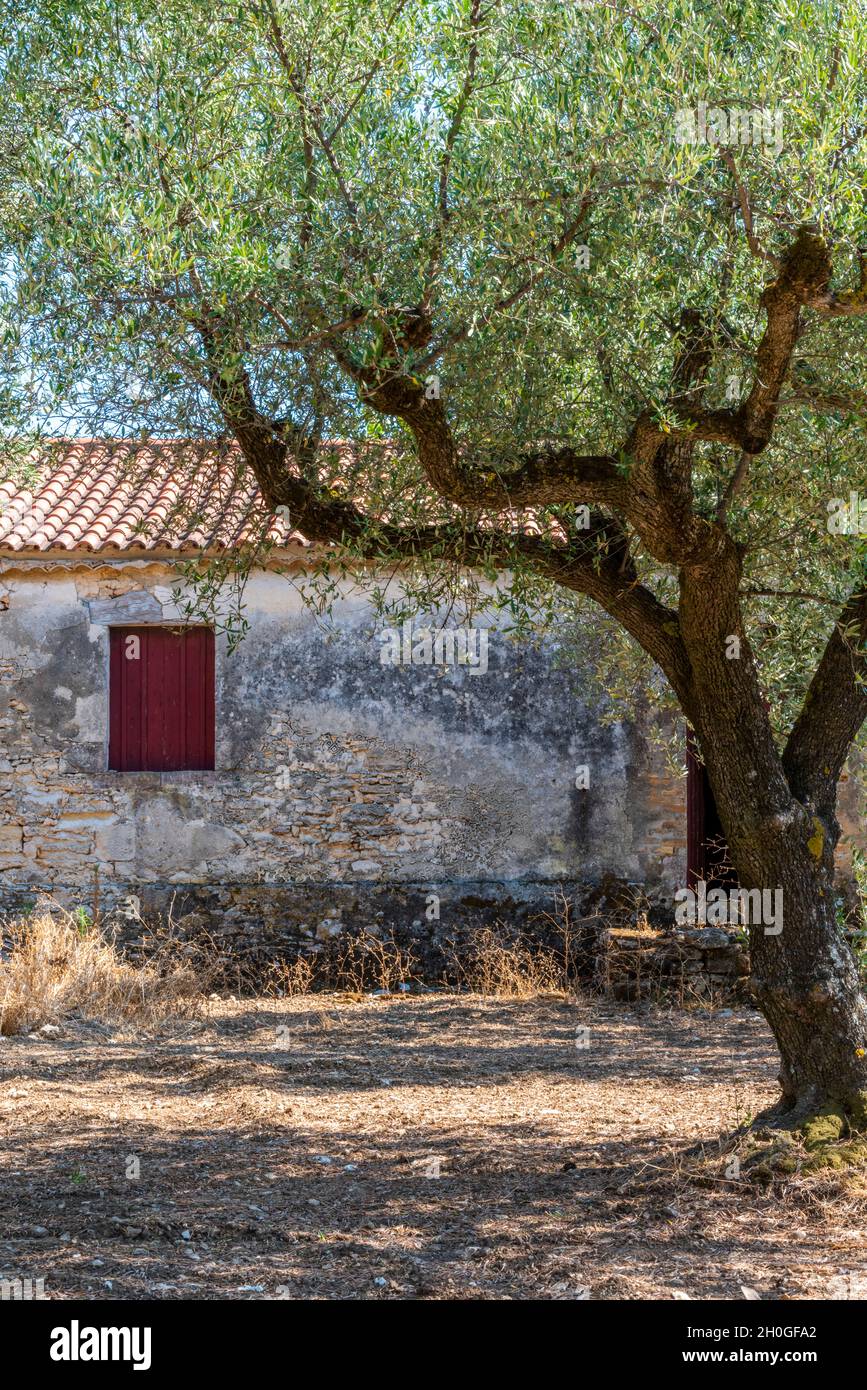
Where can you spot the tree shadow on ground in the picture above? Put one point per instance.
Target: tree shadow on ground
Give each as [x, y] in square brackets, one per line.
[499, 1162]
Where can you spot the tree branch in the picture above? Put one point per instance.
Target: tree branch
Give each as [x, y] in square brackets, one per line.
[805, 270]
[746, 212]
[367, 78]
[598, 563]
[309, 116]
[435, 260]
[832, 305]
[834, 709]
[734, 485]
[555, 249]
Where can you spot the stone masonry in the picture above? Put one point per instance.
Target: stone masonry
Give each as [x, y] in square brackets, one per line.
[345, 791]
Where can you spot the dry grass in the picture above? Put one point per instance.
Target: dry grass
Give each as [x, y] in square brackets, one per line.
[495, 964]
[358, 962]
[287, 979]
[55, 966]
[362, 961]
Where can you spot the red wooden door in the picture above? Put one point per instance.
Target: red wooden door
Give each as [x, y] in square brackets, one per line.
[161, 699]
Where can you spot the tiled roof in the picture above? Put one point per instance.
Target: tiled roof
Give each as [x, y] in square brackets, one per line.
[109, 495]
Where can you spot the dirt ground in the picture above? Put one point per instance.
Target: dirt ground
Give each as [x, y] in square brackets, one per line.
[432, 1147]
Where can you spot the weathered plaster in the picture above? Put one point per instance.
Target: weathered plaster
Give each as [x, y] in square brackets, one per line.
[331, 768]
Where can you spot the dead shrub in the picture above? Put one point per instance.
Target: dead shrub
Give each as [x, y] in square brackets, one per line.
[355, 962]
[57, 965]
[289, 978]
[493, 962]
[360, 961]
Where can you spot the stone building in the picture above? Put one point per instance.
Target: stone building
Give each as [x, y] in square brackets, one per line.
[308, 779]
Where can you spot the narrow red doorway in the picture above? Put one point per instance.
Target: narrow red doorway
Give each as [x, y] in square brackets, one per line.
[707, 854]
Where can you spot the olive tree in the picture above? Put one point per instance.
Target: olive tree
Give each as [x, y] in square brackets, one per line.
[582, 284]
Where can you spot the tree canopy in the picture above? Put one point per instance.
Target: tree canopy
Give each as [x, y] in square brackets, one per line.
[582, 281]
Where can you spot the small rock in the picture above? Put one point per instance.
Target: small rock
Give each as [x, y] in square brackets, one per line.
[323, 1158]
[39, 1230]
[380, 1282]
[708, 938]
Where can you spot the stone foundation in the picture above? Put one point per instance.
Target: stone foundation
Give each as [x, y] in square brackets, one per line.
[617, 940]
[259, 922]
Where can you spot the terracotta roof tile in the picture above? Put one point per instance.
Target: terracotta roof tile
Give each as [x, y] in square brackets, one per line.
[102, 495]
[99, 495]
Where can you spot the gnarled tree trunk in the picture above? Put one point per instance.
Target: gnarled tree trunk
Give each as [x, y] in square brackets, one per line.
[804, 976]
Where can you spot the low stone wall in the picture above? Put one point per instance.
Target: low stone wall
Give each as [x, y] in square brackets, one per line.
[614, 937]
[698, 963]
[255, 924]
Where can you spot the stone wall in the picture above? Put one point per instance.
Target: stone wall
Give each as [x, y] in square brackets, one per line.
[336, 778]
[688, 965]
